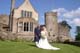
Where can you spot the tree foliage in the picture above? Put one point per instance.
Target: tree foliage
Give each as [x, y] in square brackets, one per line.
[78, 33]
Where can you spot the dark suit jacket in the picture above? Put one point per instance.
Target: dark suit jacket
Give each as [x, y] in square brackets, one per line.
[37, 34]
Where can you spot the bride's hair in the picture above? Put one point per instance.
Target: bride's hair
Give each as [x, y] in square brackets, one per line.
[42, 27]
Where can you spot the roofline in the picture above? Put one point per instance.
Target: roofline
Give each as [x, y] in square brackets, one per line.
[30, 4]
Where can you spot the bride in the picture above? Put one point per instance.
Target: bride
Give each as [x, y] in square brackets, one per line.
[43, 42]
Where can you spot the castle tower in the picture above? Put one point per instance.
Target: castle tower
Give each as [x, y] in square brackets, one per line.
[11, 14]
[51, 25]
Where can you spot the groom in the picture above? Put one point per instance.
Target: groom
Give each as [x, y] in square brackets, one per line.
[37, 32]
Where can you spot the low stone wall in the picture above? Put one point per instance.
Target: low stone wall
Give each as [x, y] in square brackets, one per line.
[6, 35]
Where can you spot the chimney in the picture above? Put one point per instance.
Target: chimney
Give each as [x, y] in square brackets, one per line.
[12, 5]
[11, 15]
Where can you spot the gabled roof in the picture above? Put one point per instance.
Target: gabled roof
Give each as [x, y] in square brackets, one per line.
[27, 1]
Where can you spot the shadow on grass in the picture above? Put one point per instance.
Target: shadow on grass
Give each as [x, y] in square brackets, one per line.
[32, 45]
[73, 43]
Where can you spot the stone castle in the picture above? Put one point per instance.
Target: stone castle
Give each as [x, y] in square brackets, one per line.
[57, 31]
[24, 19]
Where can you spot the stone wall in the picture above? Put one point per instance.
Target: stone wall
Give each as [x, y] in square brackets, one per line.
[63, 32]
[51, 25]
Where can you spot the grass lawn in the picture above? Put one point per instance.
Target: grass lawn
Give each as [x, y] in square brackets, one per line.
[29, 47]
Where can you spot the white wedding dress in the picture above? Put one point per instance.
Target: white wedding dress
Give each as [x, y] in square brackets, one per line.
[43, 42]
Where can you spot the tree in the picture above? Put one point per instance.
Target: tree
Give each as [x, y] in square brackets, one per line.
[64, 23]
[78, 33]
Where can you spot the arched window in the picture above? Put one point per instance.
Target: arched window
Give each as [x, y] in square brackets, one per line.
[26, 26]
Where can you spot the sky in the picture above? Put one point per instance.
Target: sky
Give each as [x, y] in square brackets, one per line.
[68, 10]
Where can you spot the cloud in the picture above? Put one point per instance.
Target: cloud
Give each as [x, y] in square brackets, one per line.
[60, 20]
[72, 17]
[66, 13]
[76, 21]
[72, 14]
[60, 11]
